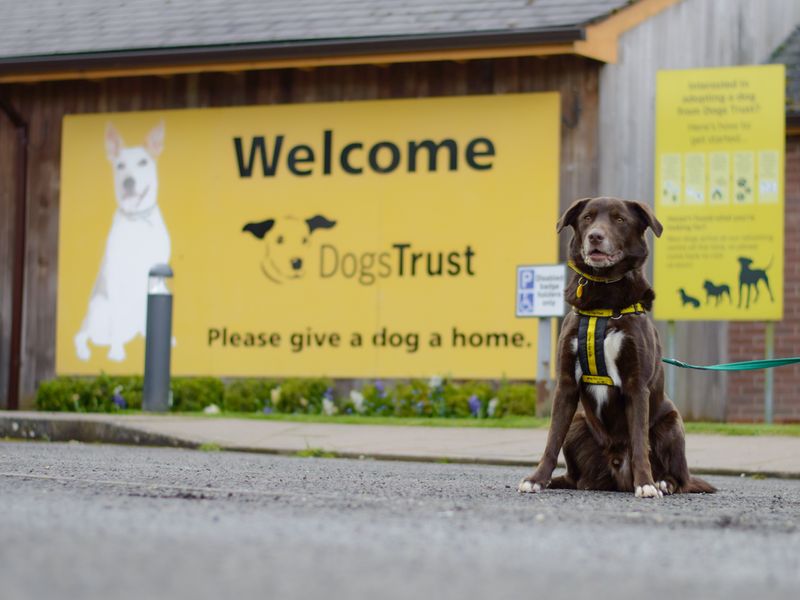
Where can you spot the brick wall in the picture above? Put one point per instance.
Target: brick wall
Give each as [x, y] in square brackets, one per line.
[746, 340]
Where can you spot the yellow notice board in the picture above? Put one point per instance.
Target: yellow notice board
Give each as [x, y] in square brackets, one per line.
[719, 166]
[354, 239]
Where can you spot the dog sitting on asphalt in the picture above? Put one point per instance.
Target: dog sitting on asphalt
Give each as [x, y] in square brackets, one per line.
[630, 436]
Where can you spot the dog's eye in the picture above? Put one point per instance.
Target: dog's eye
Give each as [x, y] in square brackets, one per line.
[587, 218]
[120, 166]
[280, 239]
[620, 220]
[143, 162]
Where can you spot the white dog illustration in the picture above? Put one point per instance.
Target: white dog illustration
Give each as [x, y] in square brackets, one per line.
[138, 240]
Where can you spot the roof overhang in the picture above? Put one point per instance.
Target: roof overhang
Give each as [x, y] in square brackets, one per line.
[597, 40]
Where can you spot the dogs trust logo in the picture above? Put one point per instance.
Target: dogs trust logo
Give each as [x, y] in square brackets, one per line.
[137, 240]
[287, 243]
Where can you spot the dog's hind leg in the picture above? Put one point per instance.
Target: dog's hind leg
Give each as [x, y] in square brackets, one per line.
[668, 458]
[771, 297]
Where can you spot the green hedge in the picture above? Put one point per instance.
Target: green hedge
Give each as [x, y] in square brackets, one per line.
[413, 398]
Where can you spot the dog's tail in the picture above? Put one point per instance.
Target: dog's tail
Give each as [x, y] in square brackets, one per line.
[695, 485]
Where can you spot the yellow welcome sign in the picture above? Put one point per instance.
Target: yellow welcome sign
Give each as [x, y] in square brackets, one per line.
[357, 239]
[719, 173]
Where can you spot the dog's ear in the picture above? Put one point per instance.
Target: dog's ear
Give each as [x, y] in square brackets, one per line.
[319, 222]
[154, 142]
[259, 229]
[571, 214]
[646, 216]
[114, 143]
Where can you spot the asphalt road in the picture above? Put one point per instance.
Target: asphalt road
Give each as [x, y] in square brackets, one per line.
[86, 521]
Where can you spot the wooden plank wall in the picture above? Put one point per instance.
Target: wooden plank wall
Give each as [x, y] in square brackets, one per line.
[693, 33]
[8, 148]
[45, 104]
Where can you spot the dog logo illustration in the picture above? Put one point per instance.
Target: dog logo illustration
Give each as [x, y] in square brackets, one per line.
[717, 292]
[751, 277]
[287, 243]
[687, 299]
[137, 240]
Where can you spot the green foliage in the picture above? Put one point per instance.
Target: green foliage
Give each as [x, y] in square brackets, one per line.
[301, 395]
[415, 398]
[195, 393]
[80, 394]
[249, 395]
[516, 399]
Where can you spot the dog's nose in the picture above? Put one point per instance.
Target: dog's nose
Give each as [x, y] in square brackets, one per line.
[129, 184]
[297, 264]
[596, 236]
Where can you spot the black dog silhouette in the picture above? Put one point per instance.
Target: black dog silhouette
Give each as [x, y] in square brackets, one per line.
[687, 299]
[750, 278]
[716, 291]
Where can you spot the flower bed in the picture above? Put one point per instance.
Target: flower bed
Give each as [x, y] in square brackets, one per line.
[437, 397]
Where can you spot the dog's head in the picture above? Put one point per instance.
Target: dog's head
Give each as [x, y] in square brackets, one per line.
[609, 233]
[745, 262]
[708, 285]
[135, 175]
[288, 240]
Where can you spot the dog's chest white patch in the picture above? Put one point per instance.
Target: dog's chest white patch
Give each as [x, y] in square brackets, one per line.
[611, 348]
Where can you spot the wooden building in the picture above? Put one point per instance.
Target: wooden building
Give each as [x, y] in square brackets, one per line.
[601, 55]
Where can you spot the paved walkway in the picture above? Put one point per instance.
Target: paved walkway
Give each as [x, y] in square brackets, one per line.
[770, 455]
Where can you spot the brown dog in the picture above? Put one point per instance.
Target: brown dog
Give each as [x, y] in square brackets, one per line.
[630, 436]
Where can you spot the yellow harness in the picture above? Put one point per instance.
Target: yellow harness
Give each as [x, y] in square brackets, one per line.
[592, 326]
[591, 337]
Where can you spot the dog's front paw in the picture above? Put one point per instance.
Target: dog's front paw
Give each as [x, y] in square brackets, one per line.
[117, 353]
[665, 487]
[528, 486]
[648, 490]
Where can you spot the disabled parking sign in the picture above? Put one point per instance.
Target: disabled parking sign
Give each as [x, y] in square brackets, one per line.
[540, 290]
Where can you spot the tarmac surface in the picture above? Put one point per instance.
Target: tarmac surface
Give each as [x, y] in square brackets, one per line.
[97, 521]
[717, 454]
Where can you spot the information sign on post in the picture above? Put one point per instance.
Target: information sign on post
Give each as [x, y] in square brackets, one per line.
[540, 294]
[719, 168]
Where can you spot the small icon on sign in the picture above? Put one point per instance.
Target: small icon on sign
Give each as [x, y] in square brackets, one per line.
[525, 303]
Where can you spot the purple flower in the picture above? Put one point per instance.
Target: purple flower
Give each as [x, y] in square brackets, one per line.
[328, 394]
[420, 406]
[267, 410]
[380, 388]
[474, 405]
[119, 400]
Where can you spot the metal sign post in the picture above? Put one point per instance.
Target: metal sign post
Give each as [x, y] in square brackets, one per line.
[540, 294]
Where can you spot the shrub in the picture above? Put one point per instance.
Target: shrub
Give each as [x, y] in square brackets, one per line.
[516, 399]
[301, 395]
[102, 394]
[249, 395]
[469, 399]
[195, 393]
[412, 399]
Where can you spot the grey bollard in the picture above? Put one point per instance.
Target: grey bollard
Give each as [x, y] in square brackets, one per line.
[158, 341]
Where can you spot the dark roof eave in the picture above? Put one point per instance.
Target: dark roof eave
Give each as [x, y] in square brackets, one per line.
[303, 49]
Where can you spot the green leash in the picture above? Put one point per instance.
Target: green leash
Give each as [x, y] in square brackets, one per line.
[748, 365]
